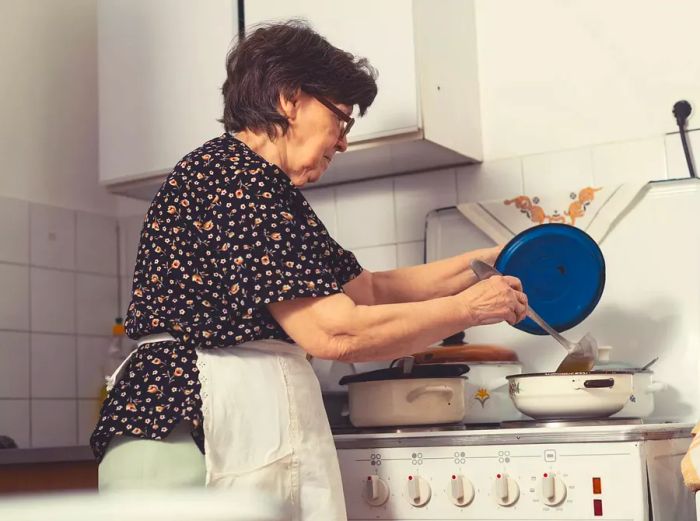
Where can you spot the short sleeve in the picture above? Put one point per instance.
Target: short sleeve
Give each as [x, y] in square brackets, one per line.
[286, 253]
[345, 265]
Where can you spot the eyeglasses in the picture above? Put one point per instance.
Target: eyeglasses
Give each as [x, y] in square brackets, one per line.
[349, 120]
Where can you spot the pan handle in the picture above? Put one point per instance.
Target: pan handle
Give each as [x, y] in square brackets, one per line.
[440, 389]
[599, 384]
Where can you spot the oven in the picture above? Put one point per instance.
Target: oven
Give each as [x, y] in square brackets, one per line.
[614, 469]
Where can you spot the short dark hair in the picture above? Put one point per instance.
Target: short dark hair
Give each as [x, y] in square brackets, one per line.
[281, 58]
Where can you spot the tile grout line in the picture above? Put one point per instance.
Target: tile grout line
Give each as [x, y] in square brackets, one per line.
[75, 326]
[29, 325]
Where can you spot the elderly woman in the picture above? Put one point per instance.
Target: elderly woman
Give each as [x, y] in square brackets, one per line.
[237, 280]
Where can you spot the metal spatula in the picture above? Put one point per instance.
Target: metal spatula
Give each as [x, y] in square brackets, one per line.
[582, 355]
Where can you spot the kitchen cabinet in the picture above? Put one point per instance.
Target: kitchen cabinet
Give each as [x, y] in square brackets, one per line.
[161, 71]
[161, 65]
[380, 31]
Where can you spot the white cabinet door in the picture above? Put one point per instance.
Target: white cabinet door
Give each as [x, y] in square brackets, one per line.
[382, 32]
[161, 68]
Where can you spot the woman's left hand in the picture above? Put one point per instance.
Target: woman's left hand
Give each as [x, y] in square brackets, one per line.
[487, 255]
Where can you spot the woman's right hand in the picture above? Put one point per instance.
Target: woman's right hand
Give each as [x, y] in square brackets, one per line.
[494, 300]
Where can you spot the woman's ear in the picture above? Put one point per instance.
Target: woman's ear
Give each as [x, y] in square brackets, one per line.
[289, 105]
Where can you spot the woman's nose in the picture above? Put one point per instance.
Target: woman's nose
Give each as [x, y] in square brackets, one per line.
[342, 144]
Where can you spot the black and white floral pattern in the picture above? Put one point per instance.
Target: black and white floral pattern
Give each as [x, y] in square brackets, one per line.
[227, 234]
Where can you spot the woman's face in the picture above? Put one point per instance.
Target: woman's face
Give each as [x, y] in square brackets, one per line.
[313, 138]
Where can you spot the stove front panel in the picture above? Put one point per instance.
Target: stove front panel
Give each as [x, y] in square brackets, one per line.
[509, 482]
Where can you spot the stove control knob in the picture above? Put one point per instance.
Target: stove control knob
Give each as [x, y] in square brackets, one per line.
[376, 491]
[461, 490]
[418, 491]
[553, 490]
[505, 490]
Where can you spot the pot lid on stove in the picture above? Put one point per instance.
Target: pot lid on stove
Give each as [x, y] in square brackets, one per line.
[398, 373]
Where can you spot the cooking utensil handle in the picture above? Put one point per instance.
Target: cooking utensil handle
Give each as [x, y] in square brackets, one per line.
[420, 391]
[484, 271]
[599, 384]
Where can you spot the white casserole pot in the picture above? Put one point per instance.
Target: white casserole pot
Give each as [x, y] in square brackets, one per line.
[594, 394]
[429, 394]
[486, 392]
[641, 401]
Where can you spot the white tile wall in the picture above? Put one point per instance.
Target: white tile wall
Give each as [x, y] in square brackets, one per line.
[366, 214]
[558, 171]
[52, 300]
[490, 180]
[52, 237]
[14, 230]
[418, 194]
[14, 421]
[96, 247]
[53, 366]
[54, 423]
[633, 161]
[63, 264]
[410, 253]
[96, 298]
[58, 271]
[377, 258]
[92, 358]
[322, 200]
[14, 303]
[676, 164]
[88, 414]
[14, 365]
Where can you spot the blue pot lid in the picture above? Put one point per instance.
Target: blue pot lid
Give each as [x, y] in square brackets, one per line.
[562, 270]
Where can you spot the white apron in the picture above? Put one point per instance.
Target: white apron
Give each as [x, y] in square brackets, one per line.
[265, 427]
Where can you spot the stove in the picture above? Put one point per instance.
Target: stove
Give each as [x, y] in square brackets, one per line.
[620, 469]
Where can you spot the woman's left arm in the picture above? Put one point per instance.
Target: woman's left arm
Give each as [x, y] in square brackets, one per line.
[417, 283]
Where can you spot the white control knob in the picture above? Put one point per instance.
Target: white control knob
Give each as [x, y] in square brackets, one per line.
[418, 491]
[505, 490]
[553, 490]
[376, 491]
[461, 490]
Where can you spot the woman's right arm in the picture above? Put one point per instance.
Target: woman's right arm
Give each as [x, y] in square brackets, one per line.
[334, 327]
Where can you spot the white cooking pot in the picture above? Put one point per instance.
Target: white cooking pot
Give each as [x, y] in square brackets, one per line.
[486, 392]
[641, 401]
[486, 389]
[428, 394]
[594, 394]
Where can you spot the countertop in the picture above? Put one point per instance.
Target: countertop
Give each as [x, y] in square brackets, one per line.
[45, 455]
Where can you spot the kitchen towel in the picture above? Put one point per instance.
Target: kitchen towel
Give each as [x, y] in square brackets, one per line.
[594, 209]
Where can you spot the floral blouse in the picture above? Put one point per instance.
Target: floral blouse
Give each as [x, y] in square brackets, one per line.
[227, 234]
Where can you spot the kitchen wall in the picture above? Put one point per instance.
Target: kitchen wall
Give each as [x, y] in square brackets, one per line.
[58, 239]
[582, 99]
